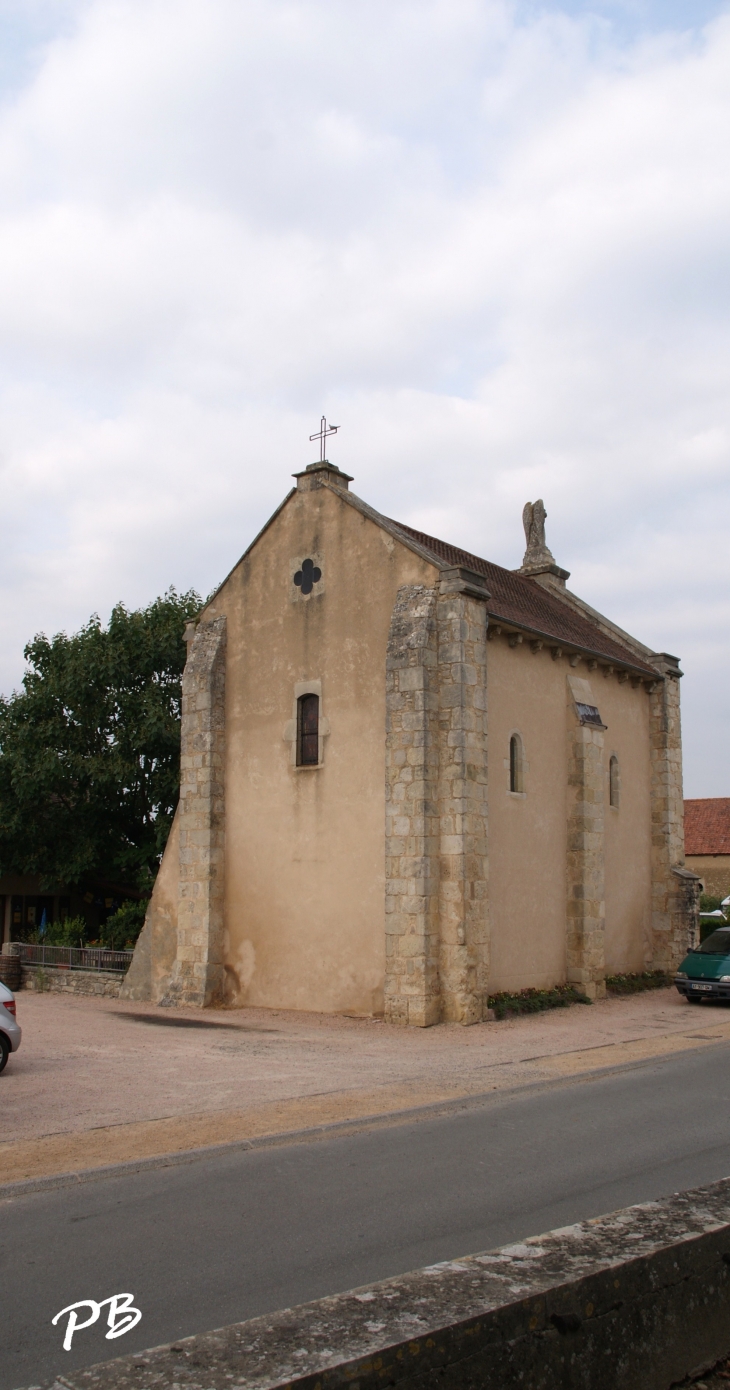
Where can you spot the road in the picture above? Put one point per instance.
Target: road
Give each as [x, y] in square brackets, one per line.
[229, 1237]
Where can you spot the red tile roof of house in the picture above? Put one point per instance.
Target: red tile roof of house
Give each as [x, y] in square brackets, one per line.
[707, 826]
[517, 599]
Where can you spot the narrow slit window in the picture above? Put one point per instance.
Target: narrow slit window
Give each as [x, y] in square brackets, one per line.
[515, 764]
[614, 782]
[308, 731]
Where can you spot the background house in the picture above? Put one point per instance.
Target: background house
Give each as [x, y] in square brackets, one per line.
[707, 842]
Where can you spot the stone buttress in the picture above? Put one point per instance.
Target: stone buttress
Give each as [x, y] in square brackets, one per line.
[436, 907]
[674, 888]
[412, 990]
[198, 974]
[585, 862]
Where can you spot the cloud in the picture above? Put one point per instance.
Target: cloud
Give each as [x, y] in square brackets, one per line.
[489, 240]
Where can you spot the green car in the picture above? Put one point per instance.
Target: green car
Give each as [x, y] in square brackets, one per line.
[705, 970]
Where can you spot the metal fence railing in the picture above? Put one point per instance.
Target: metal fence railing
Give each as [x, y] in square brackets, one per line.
[71, 957]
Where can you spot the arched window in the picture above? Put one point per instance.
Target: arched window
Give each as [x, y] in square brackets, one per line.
[614, 782]
[308, 731]
[516, 781]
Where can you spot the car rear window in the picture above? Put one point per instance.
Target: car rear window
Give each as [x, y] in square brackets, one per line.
[716, 945]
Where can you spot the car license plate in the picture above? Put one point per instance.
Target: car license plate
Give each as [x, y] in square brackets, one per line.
[701, 986]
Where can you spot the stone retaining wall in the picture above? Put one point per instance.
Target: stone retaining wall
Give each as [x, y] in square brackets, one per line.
[636, 1300]
[99, 982]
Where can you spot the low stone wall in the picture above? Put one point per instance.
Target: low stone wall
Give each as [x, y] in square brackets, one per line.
[100, 982]
[633, 1301]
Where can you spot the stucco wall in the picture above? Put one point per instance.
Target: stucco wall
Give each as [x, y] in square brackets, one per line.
[305, 853]
[628, 828]
[527, 833]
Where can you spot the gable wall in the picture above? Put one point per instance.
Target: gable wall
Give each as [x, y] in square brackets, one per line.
[305, 867]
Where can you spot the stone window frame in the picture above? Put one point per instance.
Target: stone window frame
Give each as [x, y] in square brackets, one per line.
[306, 687]
[614, 782]
[523, 766]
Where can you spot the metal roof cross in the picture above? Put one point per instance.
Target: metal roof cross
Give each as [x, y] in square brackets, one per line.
[323, 433]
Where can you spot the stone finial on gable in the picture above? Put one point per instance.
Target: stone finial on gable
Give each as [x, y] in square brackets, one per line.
[539, 561]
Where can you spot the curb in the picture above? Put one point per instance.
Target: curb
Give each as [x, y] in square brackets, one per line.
[379, 1120]
[179, 1157]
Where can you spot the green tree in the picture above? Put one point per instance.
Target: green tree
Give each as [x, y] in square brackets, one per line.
[90, 748]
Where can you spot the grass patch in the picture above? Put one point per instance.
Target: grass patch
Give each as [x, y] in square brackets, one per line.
[634, 984]
[533, 1001]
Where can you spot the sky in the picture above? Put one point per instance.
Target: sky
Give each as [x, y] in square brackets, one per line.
[488, 238]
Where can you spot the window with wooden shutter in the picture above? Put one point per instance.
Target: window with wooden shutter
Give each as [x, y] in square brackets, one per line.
[308, 731]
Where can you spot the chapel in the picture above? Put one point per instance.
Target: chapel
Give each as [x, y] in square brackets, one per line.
[412, 779]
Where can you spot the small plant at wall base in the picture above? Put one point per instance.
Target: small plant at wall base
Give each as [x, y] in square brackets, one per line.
[532, 1001]
[634, 984]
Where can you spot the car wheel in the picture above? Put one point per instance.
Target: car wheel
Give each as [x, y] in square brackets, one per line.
[4, 1051]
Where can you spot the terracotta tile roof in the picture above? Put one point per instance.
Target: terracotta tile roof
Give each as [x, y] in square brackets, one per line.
[525, 603]
[707, 826]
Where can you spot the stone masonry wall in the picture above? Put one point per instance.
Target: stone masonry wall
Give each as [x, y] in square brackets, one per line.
[585, 907]
[411, 812]
[106, 985]
[436, 908]
[674, 894]
[198, 973]
[463, 877]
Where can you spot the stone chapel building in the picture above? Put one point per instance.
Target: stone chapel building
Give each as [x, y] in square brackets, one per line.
[411, 779]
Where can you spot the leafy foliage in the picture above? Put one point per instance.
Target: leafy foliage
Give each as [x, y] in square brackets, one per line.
[120, 931]
[72, 931]
[708, 903]
[90, 748]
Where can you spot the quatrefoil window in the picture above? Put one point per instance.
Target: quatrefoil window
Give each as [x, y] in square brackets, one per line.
[309, 575]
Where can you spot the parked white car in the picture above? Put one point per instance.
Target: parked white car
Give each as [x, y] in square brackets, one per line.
[10, 1032]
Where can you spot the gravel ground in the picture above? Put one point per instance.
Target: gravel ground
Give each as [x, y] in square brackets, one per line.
[88, 1063]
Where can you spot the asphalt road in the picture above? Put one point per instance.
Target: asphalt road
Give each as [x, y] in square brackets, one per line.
[229, 1237]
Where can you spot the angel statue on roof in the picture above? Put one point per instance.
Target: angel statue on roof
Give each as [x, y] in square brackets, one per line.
[533, 520]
